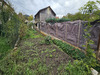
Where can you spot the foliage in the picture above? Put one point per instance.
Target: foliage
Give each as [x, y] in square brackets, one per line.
[23, 30]
[30, 18]
[30, 24]
[21, 17]
[4, 47]
[76, 16]
[48, 40]
[89, 7]
[31, 34]
[54, 20]
[11, 65]
[90, 11]
[78, 68]
[10, 24]
[75, 53]
[90, 59]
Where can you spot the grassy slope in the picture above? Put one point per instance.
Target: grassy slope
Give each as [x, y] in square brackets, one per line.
[35, 57]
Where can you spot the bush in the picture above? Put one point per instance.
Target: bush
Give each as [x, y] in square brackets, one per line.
[30, 25]
[48, 40]
[54, 20]
[23, 30]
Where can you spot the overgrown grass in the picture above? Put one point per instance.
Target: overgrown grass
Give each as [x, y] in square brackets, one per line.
[4, 47]
[32, 34]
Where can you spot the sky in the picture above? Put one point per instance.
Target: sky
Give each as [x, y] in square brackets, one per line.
[60, 7]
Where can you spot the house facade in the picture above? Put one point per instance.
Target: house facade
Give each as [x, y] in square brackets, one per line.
[44, 14]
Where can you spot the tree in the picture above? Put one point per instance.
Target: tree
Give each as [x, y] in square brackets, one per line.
[90, 11]
[30, 18]
[98, 1]
[89, 7]
[21, 17]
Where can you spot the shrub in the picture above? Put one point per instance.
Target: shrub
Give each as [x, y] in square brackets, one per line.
[48, 40]
[54, 20]
[30, 24]
[23, 30]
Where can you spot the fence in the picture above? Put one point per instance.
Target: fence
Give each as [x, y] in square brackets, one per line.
[72, 32]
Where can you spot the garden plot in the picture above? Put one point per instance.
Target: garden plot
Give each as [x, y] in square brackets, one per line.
[33, 56]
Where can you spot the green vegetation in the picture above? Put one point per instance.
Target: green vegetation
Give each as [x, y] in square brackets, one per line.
[89, 12]
[10, 24]
[4, 47]
[82, 67]
[47, 40]
[54, 20]
[75, 53]
[38, 55]
[30, 34]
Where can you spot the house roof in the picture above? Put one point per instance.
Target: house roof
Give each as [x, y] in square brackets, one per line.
[44, 9]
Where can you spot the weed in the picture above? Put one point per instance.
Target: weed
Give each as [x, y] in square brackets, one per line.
[29, 51]
[60, 67]
[29, 44]
[54, 50]
[42, 51]
[48, 40]
[42, 42]
[42, 69]
[47, 54]
[35, 61]
[51, 56]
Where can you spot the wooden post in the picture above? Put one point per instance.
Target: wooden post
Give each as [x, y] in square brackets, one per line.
[98, 49]
[66, 33]
[48, 28]
[56, 32]
[79, 33]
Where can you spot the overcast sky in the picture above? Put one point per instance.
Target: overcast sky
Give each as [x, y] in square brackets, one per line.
[60, 7]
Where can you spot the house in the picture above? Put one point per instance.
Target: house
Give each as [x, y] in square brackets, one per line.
[44, 14]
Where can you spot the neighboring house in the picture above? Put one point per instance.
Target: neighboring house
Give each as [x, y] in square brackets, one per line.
[44, 14]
